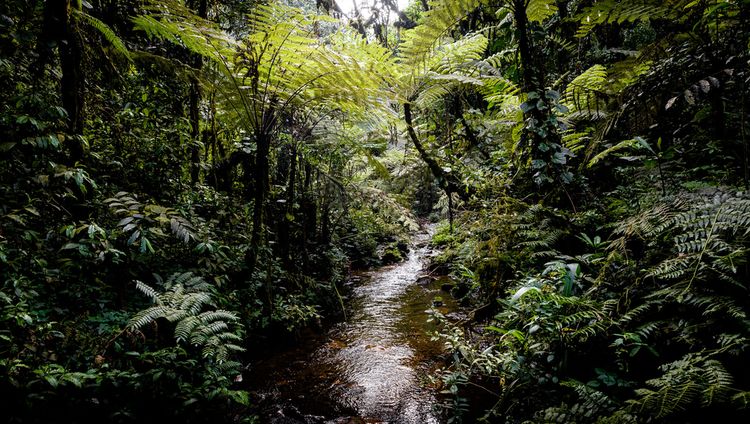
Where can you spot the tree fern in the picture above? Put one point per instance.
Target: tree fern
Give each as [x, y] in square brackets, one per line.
[105, 31]
[442, 16]
[617, 11]
[501, 94]
[172, 21]
[540, 10]
[453, 65]
[583, 94]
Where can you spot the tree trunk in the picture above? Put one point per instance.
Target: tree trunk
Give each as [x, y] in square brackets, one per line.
[195, 98]
[284, 236]
[70, 46]
[309, 212]
[533, 78]
[446, 181]
[259, 198]
[528, 74]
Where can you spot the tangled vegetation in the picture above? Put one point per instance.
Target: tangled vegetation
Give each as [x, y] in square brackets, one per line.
[185, 181]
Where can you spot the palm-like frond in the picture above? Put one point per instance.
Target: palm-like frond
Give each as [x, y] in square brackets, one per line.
[617, 11]
[105, 31]
[174, 22]
[539, 10]
[419, 43]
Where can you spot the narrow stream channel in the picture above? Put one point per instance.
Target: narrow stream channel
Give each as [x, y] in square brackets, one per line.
[370, 368]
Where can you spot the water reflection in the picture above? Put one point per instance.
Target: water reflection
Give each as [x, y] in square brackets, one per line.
[376, 361]
[367, 369]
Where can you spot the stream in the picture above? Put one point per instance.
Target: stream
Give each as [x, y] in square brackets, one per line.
[372, 367]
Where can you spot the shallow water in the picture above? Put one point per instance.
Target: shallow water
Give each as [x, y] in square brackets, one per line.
[370, 368]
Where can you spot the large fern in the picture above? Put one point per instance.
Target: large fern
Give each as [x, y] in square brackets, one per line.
[702, 281]
[539, 10]
[105, 31]
[694, 378]
[711, 241]
[584, 93]
[172, 21]
[187, 301]
[442, 16]
[619, 11]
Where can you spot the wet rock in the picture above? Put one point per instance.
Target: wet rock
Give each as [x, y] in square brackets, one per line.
[292, 412]
[346, 420]
[439, 268]
[280, 419]
[459, 291]
[456, 316]
[285, 420]
[291, 415]
[425, 280]
[390, 256]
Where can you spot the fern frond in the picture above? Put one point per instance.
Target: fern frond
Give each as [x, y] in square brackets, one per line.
[674, 268]
[443, 15]
[501, 93]
[105, 31]
[686, 381]
[583, 93]
[217, 315]
[194, 302]
[148, 316]
[148, 291]
[637, 312]
[561, 42]
[619, 11]
[185, 327]
[214, 331]
[540, 10]
[625, 144]
[182, 228]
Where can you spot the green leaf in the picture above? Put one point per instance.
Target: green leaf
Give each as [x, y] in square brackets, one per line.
[146, 245]
[125, 220]
[7, 146]
[540, 10]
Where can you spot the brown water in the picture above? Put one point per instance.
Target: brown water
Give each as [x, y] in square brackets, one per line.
[372, 367]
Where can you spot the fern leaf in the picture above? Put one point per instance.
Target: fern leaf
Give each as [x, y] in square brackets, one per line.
[625, 144]
[540, 10]
[619, 11]
[443, 15]
[106, 32]
[148, 291]
[582, 94]
[214, 331]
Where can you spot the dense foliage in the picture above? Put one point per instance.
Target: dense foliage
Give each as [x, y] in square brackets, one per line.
[183, 181]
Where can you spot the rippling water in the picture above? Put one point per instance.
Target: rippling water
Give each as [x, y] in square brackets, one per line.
[369, 367]
[378, 359]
